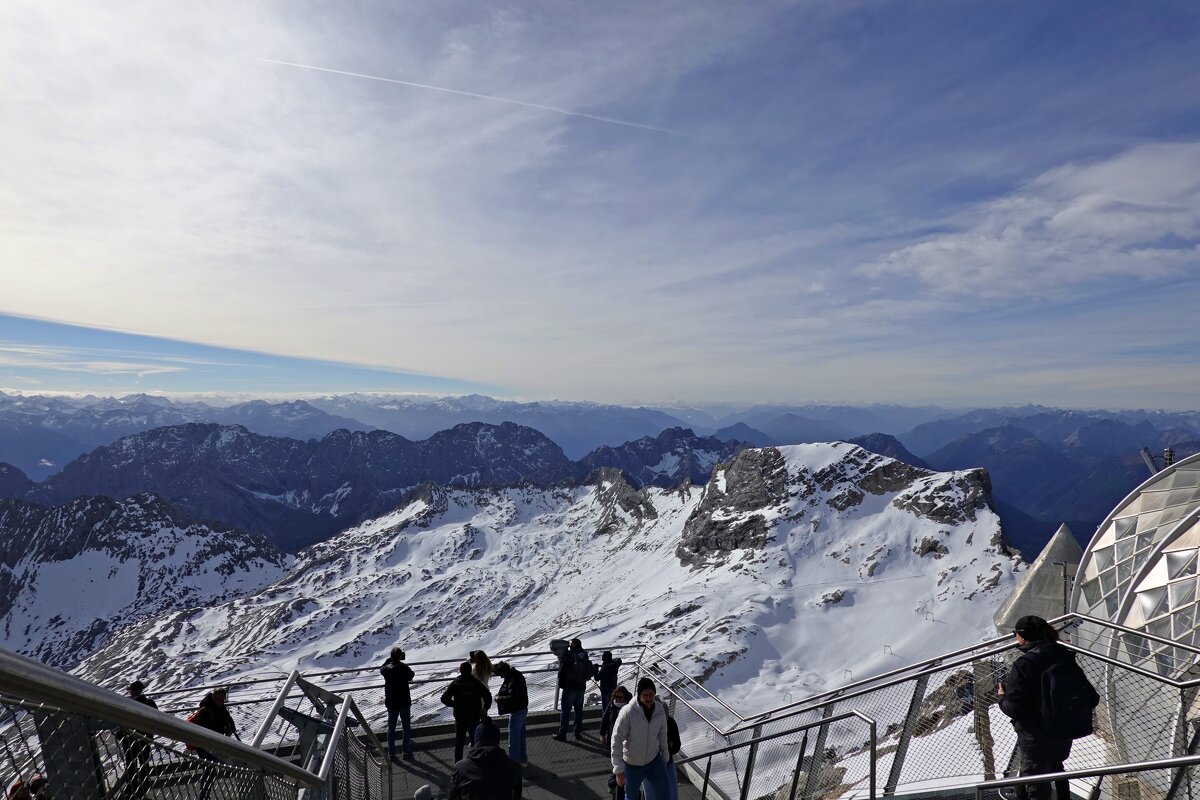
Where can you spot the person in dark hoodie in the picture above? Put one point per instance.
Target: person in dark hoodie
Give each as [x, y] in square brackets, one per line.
[398, 700]
[213, 715]
[470, 699]
[486, 773]
[1019, 696]
[513, 699]
[607, 677]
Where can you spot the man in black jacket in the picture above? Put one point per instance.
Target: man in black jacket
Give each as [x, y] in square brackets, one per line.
[574, 670]
[1020, 698]
[486, 773]
[212, 714]
[607, 678]
[398, 700]
[513, 699]
[470, 699]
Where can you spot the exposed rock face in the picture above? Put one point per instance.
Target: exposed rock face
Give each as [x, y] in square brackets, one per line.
[72, 574]
[730, 516]
[300, 492]
[666, 460]
[949, 502]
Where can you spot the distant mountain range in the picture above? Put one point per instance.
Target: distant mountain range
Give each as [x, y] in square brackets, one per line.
[299, 492]
[1047, 465]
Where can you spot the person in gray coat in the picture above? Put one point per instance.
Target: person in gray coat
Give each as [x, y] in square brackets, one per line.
[639, 744]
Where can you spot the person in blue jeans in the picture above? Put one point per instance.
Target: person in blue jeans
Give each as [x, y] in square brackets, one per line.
[513, 699]
[398, 700]
[640, 750]
[574, 671]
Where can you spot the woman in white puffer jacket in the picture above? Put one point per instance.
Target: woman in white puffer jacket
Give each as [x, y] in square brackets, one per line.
[639, 744]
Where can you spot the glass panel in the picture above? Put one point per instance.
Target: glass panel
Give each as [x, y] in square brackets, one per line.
[1153, 602]
[1161, 628]
[1124, 549]
[1125, 527]
[1183, 563]
[1182, 593]
[1108, 581]
[1184, 625]
[1145, 540]
[1137, 647]
[1091, 592]
[1124, 571]
[1104, 557]
[1110, 603]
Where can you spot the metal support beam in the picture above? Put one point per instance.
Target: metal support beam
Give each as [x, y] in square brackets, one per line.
[812, 781]
[750, 763]
[906, 734]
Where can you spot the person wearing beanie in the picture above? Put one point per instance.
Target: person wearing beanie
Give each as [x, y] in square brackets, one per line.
[486, 773]
[639, 744]
[513, 699]
[1019, 697]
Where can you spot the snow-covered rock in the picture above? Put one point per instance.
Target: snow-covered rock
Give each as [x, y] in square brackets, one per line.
[72, 575]
[789, 566]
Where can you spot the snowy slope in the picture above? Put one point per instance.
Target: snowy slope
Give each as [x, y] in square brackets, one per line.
[72, 575]
[743, 579]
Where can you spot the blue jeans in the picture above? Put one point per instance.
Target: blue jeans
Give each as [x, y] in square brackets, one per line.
[571, 699]
[672, 785]
[653, 774]
[405, 716]
[516, 735]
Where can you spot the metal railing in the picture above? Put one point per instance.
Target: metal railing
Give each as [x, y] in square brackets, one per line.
[1180, 769]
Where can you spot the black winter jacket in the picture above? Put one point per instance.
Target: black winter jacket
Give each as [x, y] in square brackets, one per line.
[396, 677]
[487, 773]
[513, 694]
[468, 697]
[608, 676]
[214, 716]
[1022, 699]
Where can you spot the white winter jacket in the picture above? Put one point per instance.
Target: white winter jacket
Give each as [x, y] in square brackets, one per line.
[636, 740]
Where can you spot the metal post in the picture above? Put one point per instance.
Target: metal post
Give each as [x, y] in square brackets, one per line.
[818, 759]
[1182, 772]
[750, 762]
[799, 766]
[874, 759]
[707, 772]
[906, 733]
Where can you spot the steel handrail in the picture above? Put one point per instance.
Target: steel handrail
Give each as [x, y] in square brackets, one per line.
[695, 682]
[1094, 772]
[269, 719]
[339, 728]
[27, 679]
[769, 736]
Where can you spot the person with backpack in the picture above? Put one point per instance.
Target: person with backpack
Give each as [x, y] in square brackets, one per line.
[470, 699]
[1050, 702]
[607, 678]
[513, 699]
[398, 700]
[212, 714]
[575, 669]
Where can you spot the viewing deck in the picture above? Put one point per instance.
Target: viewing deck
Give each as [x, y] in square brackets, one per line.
[571, 769]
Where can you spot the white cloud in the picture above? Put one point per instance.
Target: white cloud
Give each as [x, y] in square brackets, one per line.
[1134, 216]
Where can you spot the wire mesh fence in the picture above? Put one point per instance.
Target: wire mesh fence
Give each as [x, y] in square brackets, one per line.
[47, 752]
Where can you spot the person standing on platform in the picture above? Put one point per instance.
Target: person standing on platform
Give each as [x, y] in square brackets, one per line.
[513, 699]
[470, 699]
[398, 699]
[640, 750]
[575, 669]
[607, 678]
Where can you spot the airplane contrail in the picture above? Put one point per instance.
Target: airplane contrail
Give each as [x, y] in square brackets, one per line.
[510, 101]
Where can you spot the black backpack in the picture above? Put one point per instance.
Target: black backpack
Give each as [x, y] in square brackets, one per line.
[582, 669]
[1068, 699]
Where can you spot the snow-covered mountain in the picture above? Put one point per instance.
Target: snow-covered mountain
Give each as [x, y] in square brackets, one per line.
[296, 492]
[666, 460]
[72, 575]
[787, 567]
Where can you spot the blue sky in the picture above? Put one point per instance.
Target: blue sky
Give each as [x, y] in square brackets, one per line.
[953, 202]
